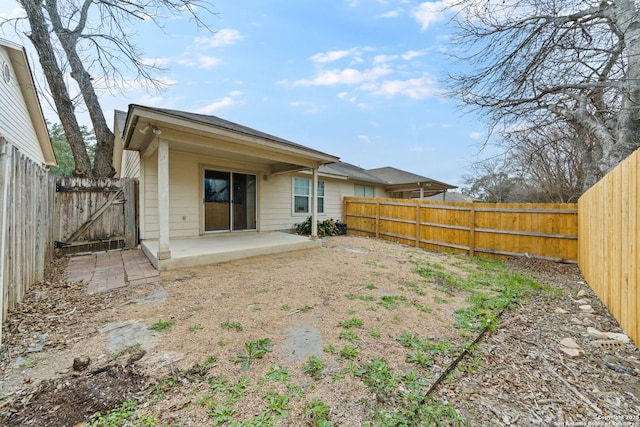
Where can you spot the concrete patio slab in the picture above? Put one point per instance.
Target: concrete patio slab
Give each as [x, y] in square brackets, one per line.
[215, 249]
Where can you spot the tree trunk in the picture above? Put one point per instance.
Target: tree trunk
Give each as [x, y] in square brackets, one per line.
[103, 160]
[628, 129]
[40, 38]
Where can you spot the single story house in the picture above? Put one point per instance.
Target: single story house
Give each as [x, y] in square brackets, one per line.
[207, 185]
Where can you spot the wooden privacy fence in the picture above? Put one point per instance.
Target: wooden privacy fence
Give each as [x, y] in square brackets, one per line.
[95, 214]
[547, 231]
[609, 239]
[26, 233]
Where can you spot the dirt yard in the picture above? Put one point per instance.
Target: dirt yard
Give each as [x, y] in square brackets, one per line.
[355, 333]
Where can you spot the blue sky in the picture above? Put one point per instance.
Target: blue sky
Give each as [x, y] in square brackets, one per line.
[359, 79]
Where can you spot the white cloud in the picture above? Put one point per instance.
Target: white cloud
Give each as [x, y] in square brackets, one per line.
[188, 62]
[332, 55]
[418, 88]
[430, 12]
[365, 139]
[346, 76]
[208, 62]
[391, 14]
[476, 135]
[218, 104]
[223, 37]
[414, 54]
[417, 149]
[305, 106]
[381, 59]
[345, 96]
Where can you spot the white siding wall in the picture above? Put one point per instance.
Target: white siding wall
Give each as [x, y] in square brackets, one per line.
[130, 164]
[275, 195]
[185, 192]
[15, 122]
[277, 200]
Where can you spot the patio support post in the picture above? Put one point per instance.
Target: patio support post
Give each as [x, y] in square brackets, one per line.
[163, 198]
[314, 205]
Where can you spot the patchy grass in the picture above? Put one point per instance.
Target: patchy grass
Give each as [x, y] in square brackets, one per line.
[367, 365]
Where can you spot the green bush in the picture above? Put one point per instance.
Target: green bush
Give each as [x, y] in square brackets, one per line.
[328, 227]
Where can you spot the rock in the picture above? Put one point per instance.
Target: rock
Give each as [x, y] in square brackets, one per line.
[81, 363]
[617, 337]
[572, 353]
[560, 311]
[587, 308]
[581, 293]
[569, 343]
[581, 301]
[594, 333]
[576, 321]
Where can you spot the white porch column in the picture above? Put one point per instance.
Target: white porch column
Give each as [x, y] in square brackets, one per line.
[314, 205]
[163, 199]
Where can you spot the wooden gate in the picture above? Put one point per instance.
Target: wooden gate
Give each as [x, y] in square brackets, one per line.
[95, 214]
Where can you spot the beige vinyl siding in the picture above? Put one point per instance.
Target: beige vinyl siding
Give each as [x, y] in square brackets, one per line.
[185, 192]
[130, 164]
[184, 214]
[276, 202]
[15, 121]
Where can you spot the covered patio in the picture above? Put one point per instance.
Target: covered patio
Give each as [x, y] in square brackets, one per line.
[213, 249]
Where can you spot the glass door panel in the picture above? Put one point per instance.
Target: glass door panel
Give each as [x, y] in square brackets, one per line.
[244, 202]
[229, 201]
[217, 203]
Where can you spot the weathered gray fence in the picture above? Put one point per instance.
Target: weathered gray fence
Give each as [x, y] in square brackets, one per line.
[95, 214]
[27, 200]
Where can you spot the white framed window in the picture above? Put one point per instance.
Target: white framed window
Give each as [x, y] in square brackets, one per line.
[365, 191]
[302, 196]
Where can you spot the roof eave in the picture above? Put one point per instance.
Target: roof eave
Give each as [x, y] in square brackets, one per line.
[138, 112]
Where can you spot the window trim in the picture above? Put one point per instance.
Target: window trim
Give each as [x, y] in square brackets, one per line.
[309, 197]
[364, 187]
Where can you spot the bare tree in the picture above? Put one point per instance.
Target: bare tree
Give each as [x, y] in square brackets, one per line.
[490, 181]
[40, 38]
[548, 160]
[577, 61]
[96, 39]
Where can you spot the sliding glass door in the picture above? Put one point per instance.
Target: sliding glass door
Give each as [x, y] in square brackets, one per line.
[229, 201]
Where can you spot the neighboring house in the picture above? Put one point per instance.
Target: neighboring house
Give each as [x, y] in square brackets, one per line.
[450, 196]
[26, 189]
[21, 121]
[407, 185]
[202, 176]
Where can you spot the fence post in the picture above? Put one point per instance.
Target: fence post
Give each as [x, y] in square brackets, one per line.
[377, 220]
[472, 230]
[5, 179]
[417, 224]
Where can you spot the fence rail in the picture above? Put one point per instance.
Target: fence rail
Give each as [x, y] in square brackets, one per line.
[609, 235]
[26, 232]
[548, 231]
